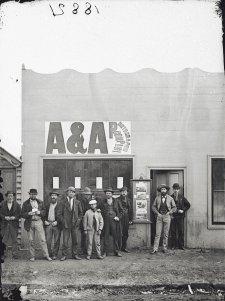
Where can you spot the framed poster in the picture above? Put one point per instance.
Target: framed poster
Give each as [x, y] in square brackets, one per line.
[141, 200]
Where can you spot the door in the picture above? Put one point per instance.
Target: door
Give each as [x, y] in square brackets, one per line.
[168, 177]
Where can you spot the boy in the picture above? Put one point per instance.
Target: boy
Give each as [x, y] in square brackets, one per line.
[93, 225]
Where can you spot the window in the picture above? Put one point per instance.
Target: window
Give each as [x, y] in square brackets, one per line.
[218, 190]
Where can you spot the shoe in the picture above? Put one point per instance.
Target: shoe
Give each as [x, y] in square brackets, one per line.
[63, 258]
[15, 257]
[125, 250]
[88, 257]
[100, 257]
[165, 251]
[76, 257]
[154, 252]
[173, 248]
[182, 248]
[54, 257]
[48, 258]
[32, 259]
[118, 254]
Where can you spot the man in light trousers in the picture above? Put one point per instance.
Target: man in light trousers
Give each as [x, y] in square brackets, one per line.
[163, 207]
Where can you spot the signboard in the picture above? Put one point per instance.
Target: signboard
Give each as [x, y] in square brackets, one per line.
[88, 137]
[141, 195]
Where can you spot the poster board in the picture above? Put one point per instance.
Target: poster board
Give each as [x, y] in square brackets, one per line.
[141, 200]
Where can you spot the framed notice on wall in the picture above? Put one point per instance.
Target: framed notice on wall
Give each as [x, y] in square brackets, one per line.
[141, 199]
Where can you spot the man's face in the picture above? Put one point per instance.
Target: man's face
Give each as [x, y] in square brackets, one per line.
[176, 191]
[108, 194]
[33, 196]
[10, 198]
[163, 191]
[124, 193]
[87, 196]
[70, 194]
[54, 198]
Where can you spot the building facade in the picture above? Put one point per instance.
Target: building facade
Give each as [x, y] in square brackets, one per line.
[107, 128]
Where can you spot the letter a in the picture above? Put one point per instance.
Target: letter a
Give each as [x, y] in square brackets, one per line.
[97, 133]
[55, 138]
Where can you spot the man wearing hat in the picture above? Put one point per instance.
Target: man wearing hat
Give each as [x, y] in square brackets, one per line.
[93, 225]
[163, 207]
[10, 213]
[177, 222]
[70, 215]
[53, 225]
[33, 211]
[111, 216]
[85, 199]
[126, 212]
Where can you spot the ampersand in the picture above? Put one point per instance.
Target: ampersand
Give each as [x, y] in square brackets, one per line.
[88, 10]
[76, 140]
[75, 10]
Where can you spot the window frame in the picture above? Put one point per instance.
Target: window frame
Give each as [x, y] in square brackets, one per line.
[212, 225]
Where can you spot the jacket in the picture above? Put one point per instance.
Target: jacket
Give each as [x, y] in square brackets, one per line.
[88, 220]
[26, 208]
[181, 204]
[103, 208]
[70, 218]
[57, 210]
[15, 211]
[169, 203]
[121, 207]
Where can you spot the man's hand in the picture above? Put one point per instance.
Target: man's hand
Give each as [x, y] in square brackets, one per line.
[12, 218]
[99, 232]
[130, 223]
[159, 214]
[116, 218]
[38, 212]
[47, 223]
[180, 211]
[31, 213]
[54, 223]
[85, 232]
[7, 218]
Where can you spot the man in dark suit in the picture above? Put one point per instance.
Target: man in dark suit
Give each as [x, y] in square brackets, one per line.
[111, 216]
[10, 213]
[126, 212]
[70, 215]
[177, 222]
[33, 211]
[53, 225]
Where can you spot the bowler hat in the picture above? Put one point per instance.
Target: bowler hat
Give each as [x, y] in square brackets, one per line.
[109, 189]
[163, 186]
[92, 202]
[9, 192]
[87, 190]
[124, 188]
[54, 192]
[71, 188]
[33, 190]
[176, 186]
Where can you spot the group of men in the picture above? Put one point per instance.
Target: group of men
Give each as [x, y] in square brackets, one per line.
[95, 220]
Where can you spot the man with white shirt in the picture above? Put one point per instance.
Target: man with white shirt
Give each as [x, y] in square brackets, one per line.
[33, 211]
[53, 226]
[163, 207]
[70, 215]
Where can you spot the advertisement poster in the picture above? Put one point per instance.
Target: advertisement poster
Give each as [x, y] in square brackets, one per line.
[141, 209]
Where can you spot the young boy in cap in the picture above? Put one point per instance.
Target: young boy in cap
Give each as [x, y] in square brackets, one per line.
[163, 207]
[93, 225]
[10, 213]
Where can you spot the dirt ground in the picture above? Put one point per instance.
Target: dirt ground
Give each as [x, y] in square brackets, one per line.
[135, 276]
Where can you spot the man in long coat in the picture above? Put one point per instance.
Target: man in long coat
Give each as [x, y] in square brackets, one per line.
[70, 215]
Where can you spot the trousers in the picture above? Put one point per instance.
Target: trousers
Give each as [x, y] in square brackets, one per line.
[177, 231]
[37, 227]
[162, 224]
[111, 227]
[93, 236]
[10, 232]
[67, 232]
[53, 232]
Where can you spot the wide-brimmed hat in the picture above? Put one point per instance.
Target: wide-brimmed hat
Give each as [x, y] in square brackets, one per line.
[71, 188]
[87, 190]
[124, 188]
[54, 192]
[176, 186]
[163, 186]
[109, 189]
[92, 202]
[33, 190]
[9, 192]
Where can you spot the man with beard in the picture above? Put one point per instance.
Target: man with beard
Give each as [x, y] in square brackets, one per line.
[111, 217]
[85, 199]
[10, 213]
[53, 226]
[126, 216]
[163, 207]
[177, 222]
